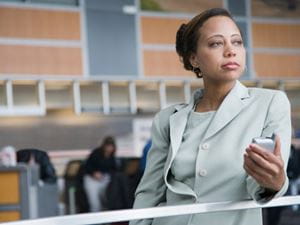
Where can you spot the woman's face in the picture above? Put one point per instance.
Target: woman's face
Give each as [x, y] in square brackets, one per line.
[109, 149]
[220, 52]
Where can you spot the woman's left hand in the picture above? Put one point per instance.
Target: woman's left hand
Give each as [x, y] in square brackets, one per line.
[265, 167]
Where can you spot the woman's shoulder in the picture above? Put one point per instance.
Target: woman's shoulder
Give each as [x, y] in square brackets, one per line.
[168, 111]
[269, 96]
[161, 118]
[265, 92]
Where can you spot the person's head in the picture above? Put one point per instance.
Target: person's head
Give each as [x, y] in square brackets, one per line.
[108, 146]
[211, 46]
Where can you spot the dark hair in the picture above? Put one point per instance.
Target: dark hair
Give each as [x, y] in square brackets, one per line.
[188, 34]
[108, 140]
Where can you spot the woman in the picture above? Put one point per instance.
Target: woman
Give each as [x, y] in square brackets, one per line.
[99, 166]
[202, 152]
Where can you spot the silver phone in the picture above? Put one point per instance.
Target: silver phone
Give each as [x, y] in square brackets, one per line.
[268, 142]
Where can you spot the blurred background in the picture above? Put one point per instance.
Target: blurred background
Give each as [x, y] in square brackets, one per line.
[73, 72]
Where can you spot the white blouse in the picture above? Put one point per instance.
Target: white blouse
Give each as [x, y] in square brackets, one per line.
[196, 127]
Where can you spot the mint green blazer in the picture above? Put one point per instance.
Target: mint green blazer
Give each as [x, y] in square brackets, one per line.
[244, 113]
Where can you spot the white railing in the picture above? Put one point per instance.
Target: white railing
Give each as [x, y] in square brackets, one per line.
[76, 90]
[132, 214]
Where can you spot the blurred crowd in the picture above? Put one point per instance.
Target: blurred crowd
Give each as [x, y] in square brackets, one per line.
[104, 182]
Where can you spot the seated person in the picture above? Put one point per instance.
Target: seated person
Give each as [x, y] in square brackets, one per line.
[100, 165]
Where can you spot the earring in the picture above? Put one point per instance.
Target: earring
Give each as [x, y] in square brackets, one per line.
[198, 72]
[194, 69]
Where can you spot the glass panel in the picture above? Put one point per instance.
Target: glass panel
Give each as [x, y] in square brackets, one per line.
[2, 94]
[58, 2]
[119, 37]
[187, 6]
[174, 93]
[272, 8]
[237, 8]
[292, 89]
[119, 97]
[59, 95]
[25, 95]
[270, 84]
[12, 0]
[243, 28]
[91, 97]
[147, 95]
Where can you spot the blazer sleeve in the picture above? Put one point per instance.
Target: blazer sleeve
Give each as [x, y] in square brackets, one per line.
[151, 189]
[278, 121]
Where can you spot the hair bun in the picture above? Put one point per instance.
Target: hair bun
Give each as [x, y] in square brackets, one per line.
[180, 42]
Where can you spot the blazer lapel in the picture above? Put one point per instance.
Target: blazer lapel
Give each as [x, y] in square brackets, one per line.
[230, 108]
[178, 122]
[177, 125]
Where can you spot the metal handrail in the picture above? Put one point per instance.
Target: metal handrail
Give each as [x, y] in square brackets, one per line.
[133, 214]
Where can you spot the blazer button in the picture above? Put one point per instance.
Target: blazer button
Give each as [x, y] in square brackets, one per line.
[202, 172]
[205, 146]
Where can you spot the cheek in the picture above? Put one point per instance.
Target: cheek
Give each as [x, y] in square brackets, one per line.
[210, 62]
[243, 56]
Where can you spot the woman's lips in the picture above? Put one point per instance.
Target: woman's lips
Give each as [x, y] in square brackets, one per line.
[230, 65]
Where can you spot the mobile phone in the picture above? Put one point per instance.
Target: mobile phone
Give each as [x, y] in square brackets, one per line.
[268, 142]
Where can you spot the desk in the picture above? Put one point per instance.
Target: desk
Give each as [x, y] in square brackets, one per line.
[14, 189]
[24, 196]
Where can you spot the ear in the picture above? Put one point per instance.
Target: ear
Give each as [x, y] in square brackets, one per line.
[194, 60]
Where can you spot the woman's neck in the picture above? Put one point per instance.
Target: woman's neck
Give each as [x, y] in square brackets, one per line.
[213, 96]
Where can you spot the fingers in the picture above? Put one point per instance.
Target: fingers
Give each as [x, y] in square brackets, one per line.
[258, 177]
[265, 180]
[254, 170]
[254, 150]
[265, 160]
[265, 167]
[258, 162]
[273, 181]
[277, 150]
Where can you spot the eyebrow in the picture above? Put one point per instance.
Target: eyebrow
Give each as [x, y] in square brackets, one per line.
[221, 36]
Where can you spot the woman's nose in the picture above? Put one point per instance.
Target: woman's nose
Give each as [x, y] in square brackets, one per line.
[229, 52]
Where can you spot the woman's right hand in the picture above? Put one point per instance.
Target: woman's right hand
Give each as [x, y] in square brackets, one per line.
[265, 167]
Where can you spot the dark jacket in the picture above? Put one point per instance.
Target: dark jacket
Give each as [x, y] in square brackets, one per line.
[293, 169]
[47, 171]
[117, 192]
[96, 162]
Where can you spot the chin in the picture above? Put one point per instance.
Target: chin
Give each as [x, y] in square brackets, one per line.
[231, 75]
[225, 76]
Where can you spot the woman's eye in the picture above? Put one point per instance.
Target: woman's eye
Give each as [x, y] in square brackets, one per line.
[238, 42]
[215, 44]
